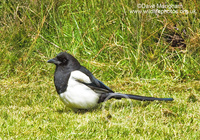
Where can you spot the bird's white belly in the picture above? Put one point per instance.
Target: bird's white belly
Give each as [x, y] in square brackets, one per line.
[79, 96]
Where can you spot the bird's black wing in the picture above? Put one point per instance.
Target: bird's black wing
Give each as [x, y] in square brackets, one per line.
[96, 85]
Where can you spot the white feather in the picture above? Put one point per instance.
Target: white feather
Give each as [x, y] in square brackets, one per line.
[78, 95]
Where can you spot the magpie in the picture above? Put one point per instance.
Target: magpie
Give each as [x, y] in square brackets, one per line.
[79, 89]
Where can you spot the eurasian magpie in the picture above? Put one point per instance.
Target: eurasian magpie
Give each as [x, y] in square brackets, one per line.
[79, 89]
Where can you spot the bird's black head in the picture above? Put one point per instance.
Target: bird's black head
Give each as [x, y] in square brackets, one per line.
[60, 59]
[65, 59]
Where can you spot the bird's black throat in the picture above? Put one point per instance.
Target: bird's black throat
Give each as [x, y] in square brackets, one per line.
[61, 77]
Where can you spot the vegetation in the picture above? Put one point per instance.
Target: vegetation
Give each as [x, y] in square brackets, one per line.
[143, 53]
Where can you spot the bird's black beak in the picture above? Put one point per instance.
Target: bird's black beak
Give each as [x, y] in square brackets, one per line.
[54, 61]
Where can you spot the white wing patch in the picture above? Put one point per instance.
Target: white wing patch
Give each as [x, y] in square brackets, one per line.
[78, 75]
[77, 94]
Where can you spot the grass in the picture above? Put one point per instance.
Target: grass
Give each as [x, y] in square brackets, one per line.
[130, 52]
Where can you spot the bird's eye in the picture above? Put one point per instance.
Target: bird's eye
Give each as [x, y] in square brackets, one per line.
[64, 60]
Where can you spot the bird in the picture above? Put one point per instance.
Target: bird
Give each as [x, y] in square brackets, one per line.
[79, 89]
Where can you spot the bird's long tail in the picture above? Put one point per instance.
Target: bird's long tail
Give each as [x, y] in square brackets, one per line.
[135, 97]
